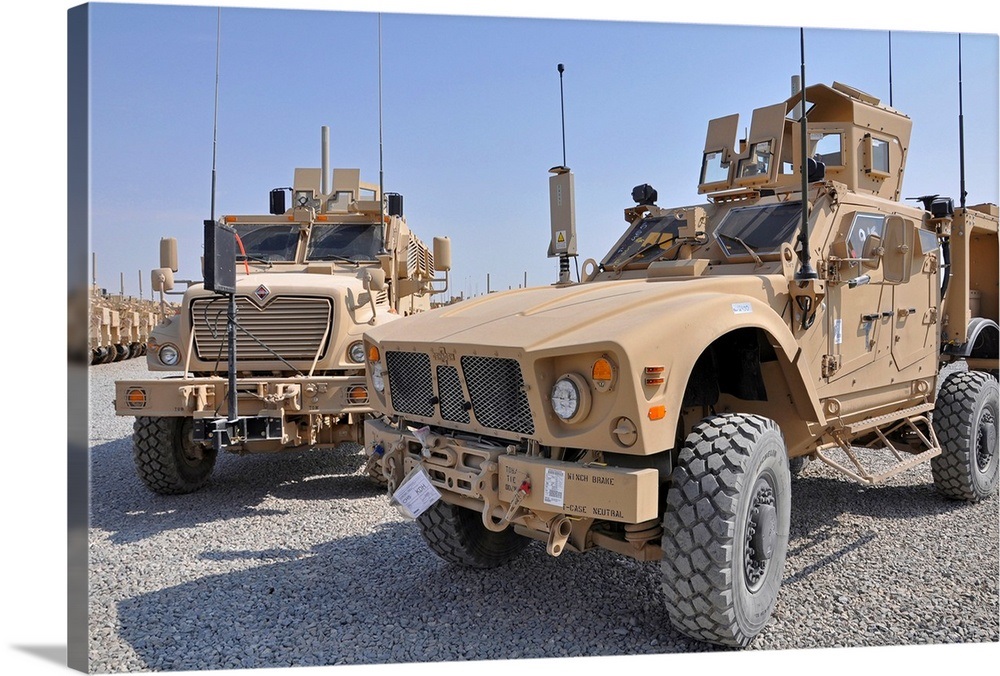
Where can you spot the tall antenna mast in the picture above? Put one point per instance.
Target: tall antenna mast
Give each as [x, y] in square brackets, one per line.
[805, 270]
[961, 129]
[562, 111]
[215, 120]
[890, 69]
[381, 194]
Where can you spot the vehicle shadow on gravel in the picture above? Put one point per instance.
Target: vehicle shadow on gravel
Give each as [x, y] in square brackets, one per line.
[826, 507]
[124, 508]
[330, 607]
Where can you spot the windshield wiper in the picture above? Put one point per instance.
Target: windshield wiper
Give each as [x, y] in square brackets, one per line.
[756, 259]
[648, 247]
[255, 259]
[336, 257]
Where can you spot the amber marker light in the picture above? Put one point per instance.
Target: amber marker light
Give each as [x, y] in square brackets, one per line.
[357, 394]
[135, 397]
[654, 375]
[603, 374]
[657, 412]
[230, 219]
[373, 354]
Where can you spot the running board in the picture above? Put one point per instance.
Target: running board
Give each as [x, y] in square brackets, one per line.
[915, 418]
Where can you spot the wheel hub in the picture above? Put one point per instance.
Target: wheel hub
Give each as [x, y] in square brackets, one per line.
[761, 534]
[986, 441]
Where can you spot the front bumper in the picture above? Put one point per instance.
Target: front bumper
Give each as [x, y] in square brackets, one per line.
[487, 476]
[208, 397]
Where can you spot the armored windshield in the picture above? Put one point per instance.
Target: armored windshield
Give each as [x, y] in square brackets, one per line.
[267, 241]
[344, 241]
[648, 239]
[762, 229]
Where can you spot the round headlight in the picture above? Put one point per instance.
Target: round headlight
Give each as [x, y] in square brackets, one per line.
[356, 352]
[168, 355]
[570, 398]
[377, 379]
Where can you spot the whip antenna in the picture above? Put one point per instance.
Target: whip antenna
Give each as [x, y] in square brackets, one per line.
[961, 129]
[381, 193]
[215, 120]
[562, 110]
[890, 69]
[805, 270]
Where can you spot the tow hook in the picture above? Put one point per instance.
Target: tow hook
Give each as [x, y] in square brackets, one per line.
[559, 529]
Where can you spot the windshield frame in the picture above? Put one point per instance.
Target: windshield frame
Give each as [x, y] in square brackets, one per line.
[641, 235]
[734, 225]
[249, 241]
[340, 250]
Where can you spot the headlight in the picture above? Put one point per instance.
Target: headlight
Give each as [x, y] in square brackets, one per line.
[168, 355]
[571, 398]
[377, 379]
[356, 352]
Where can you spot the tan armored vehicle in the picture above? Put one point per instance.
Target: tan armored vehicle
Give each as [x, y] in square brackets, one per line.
[655, 408]
[308, 280]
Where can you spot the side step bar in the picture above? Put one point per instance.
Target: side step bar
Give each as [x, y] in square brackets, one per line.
[916, 417]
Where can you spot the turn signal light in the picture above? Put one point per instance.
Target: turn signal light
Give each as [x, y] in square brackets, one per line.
[135, 397]
[357, 395]
[373, 354]
[657, 412]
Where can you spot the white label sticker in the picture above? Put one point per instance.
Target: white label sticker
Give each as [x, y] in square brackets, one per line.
[742, 308]
[555, 487]
[416, 494]
[838, 331]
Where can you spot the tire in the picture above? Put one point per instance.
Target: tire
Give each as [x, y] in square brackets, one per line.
[167, 459]
[727, 505]
[458, 535]
[966, 418]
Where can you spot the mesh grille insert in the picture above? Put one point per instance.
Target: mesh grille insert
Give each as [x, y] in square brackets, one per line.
[410, 383]
[496, 389]
[450, 395]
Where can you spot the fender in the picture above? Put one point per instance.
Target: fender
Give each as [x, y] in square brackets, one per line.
[976, 327]
[707, 317]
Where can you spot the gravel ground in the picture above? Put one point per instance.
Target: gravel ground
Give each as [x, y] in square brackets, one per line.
[296, 559]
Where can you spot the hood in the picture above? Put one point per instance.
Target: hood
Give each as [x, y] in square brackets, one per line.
[552, 317]
[296, 282]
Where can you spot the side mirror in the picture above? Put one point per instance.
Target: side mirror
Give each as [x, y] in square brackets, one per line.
[375, 279]
[872, 253]
[162, 279]
[442, 254]
[277, 202]
[168, 253]
[898, 245]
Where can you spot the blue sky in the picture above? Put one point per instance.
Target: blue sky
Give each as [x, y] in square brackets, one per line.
[471, 118]
[471, 126]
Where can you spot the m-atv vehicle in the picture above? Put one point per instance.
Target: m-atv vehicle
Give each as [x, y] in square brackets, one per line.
[308, 281]
[655, 408]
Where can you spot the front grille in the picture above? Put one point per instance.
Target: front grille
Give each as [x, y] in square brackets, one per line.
[452, 401]
[495, 386]
[497, 392]
[294, 328]
[410, 383]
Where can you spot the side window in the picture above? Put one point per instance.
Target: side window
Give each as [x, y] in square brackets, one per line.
[863, 226]
[828, 149]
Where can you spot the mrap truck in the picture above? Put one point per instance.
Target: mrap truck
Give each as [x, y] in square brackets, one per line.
[309, 278]
[659, 406]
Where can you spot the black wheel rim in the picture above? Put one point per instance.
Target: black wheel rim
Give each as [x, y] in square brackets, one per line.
[986, 440]
[760, 535]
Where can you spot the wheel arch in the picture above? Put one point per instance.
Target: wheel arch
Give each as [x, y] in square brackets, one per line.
[732, 331]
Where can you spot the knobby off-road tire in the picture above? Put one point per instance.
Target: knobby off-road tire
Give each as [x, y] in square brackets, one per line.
[458, 535]
[726, 529]
[166, 457]
[966, 419]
